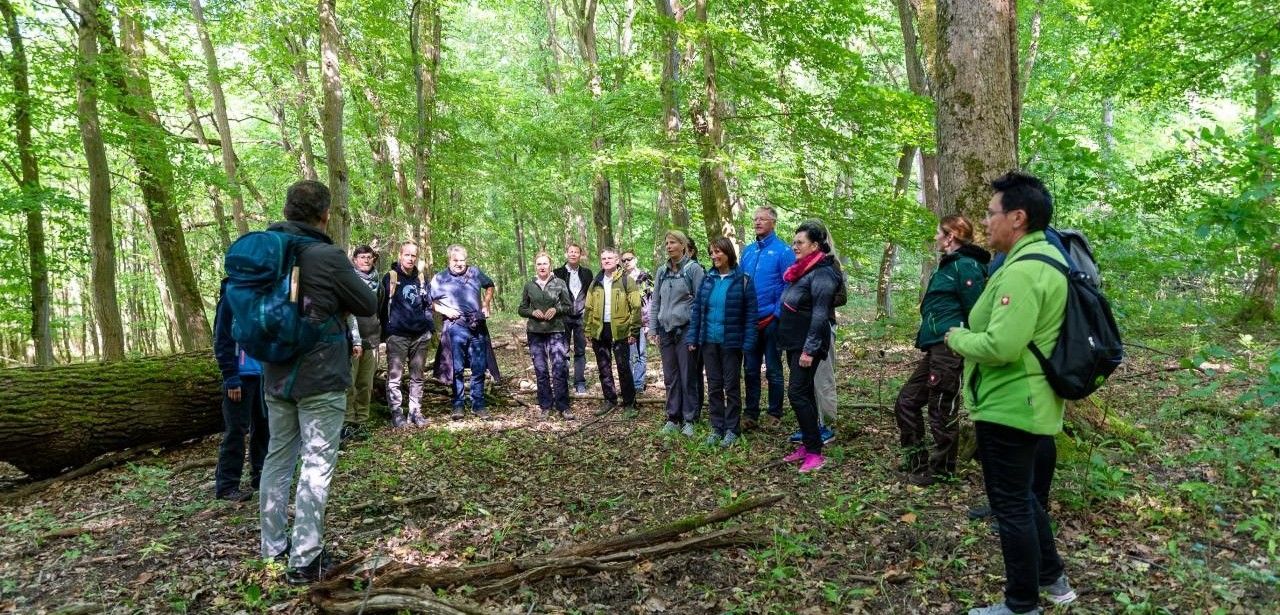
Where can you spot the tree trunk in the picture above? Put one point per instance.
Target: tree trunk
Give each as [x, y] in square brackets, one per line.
[671, 191]
[974, 89]
[425, 32]
[331, 123]
[38, 268]
[47, 426]
[520, 243]
[220, 116]
[302, 106]
[1260, 303]
[884, 280]
[101, 233]
[150, 151]
[707, 123]
[197, 127]
[601, 190]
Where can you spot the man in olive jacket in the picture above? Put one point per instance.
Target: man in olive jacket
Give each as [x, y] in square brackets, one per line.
[308, 395]
[1013, 407]
[612, 321]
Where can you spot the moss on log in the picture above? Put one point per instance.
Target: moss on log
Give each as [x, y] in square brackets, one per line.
[54, 418]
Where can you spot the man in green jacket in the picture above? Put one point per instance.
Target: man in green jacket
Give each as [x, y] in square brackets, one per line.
[1013, 407]
[611, 320]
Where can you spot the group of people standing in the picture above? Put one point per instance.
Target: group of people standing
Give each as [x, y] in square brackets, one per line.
[982, 319]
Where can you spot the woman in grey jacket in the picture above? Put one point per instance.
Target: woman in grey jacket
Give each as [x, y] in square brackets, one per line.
[546, 302]
[675, 288]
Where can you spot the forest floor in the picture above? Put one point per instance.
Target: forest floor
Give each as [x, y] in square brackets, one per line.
[1166, 501]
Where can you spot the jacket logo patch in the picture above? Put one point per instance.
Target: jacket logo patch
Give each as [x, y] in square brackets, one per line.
[1004, 300]
[968, 282]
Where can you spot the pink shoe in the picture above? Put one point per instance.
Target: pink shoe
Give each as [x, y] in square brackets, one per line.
[812, 462]
[798, 456]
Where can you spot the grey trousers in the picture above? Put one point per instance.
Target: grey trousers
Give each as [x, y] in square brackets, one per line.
[824, 383]
[306, 429]
[677, 376]
[402, 350]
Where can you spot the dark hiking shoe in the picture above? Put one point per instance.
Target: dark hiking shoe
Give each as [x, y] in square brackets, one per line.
[458, 413]
[482, 414]
[981, 511]
[921, 479]
[417, 419]
[631, 412]
[568, 415]
[1059, 592]
[236, 495]
[397, 419]
[312, 572]
[749, 424]
[544, 414]
[606, 407]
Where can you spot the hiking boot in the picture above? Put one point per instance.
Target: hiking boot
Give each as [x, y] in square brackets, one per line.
[687, 430]
[1001, 609]
[749, 424]
[544, 414]
[797, 456]
[729, 439]
[580, 389]
[771, 422]
[713, 439]
[606, 407]
[812, 461]
[668, 428]
[631, 412]
[981, 511]
[1059, 592]
[568, 415]
[311, 572]
[397, 419]
[482, 414]
[921, 479]
[236, 494]
[458, 413]
[416, 419]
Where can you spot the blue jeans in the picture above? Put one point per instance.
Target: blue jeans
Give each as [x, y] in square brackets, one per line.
[470, 349]
[549, 352]
[637, 359]
[766, 351]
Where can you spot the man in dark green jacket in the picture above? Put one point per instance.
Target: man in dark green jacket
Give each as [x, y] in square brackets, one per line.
[1014, 409]
[935, 383]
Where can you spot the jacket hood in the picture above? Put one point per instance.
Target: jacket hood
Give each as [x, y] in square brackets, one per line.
[293, 227]
[970, 250]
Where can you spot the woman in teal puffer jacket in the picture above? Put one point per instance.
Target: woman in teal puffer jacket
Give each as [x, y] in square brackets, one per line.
[951, 293]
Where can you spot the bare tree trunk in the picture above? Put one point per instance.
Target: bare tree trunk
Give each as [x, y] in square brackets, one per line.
[425, 32]
[520, 243]
[1260, 303]
[302, 105]
[884, 280]
[708, 124]
[151, 152]
[197, 127]
[331, 124]
[38, 268]
[974, 81]
[671, 191]
[101, 233]
[602, 194]
[220, 116]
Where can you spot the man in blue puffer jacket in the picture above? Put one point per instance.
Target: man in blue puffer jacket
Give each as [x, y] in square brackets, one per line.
[765, 261]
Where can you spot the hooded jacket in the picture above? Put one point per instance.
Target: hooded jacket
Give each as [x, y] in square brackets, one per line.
[328, 289]
[1024, 301]
[673, 295]
[953, 289]
[624, 307]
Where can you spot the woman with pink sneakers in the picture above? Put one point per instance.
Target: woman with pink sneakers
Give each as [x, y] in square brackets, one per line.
[805, 316]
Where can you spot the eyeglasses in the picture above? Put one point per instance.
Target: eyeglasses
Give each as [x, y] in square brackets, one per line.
[627, 260]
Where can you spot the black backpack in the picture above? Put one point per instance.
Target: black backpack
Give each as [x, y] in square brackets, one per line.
[1089, 347]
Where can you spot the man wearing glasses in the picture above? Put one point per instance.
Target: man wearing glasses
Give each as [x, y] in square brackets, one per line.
[765, 261]
[644, 281]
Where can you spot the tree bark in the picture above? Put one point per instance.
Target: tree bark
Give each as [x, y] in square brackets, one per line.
[974, 88]
[884, 280]
[150, 151]
[101, 233]
[197, 127]
[331, 124]
[708, 117]
[47, 426]
[1260, 303]
[425, 32]
[37, 263]
[220, 116]
[671, 192]
[602, 193]
[302, 105]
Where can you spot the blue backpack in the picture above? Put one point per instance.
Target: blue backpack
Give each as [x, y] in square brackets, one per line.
[262, 292]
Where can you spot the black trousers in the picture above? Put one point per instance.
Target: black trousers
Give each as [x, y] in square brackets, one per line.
[608, 352]
[934, 384]
[1013, 466]
[800, 392]
[724, 388]
[577, 340]
[245, 417]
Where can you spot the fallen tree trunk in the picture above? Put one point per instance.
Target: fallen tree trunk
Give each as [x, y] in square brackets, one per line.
[53, 418]
[388, 583]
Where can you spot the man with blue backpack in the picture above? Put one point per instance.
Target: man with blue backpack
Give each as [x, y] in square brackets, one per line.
[290, 290]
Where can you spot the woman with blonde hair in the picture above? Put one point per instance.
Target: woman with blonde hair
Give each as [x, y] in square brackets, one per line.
[674, 291]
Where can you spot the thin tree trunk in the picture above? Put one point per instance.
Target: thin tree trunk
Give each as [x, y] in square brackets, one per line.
[302, 105]
[38, 268]
[1260, 303]
[331, 124]
[974, 81]
[671, 191]
[884, 280]
[220, 116]
[520, 243]
[602, 193]
[101, 233]
[197, 127]
[425, 32]
[150, 151]
[708, 124]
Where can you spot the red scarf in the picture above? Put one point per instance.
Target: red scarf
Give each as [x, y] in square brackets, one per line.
[802, 266]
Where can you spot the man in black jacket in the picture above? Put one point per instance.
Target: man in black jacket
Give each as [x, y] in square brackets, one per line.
[308, 394]
[578, 279]
[407, 325]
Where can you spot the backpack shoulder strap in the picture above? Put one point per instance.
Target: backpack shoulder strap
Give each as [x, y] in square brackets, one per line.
[395, 281]
[1044, 259]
